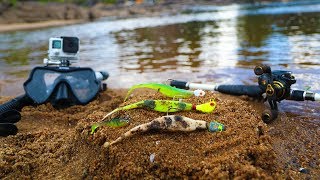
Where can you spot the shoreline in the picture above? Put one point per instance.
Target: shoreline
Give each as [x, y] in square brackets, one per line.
[20, 18]
[37, 25]
[77, 15]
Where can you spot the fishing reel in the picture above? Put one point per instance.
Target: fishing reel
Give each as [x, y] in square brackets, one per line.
[275, 86]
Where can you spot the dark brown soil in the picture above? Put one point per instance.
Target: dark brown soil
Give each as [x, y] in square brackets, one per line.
[56, 144]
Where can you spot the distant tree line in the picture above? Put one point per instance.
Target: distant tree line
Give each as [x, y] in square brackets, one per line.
[93, 2]
[80, 2]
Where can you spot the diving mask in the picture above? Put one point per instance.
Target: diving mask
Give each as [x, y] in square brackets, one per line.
[63, 86]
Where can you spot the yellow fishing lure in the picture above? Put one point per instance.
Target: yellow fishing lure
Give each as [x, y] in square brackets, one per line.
[168, 106]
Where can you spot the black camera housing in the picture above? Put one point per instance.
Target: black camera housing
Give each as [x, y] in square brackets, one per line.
[70, 44]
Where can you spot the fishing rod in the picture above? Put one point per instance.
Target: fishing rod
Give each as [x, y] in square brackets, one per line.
[273, 86]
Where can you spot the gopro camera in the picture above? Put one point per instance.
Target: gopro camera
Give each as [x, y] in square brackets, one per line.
[62, 51]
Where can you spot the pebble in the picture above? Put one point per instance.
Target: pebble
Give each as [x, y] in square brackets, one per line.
[152, 156]
[304, 170]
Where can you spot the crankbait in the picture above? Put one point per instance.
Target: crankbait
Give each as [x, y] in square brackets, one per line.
[167, 106]
[114, 123]
[171, 123]
[167, 90]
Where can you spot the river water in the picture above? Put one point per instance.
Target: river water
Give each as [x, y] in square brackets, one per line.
[208, 44]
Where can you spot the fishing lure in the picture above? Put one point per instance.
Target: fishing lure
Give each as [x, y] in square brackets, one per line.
[114, 123]
[167, 90]
[167, 106]
[171, 123]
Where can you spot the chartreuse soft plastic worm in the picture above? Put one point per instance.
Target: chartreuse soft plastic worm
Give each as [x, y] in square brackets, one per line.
[167, 106]
[171, 123]
[166, 90]
[115, 123]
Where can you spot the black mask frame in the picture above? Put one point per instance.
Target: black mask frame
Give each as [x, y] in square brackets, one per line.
[43, 84]
[9, 111]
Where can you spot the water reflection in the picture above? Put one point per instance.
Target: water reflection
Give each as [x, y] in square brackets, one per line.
[210, 44]
[254, 30]
[285, 39]
[220, 50]
[160, 48]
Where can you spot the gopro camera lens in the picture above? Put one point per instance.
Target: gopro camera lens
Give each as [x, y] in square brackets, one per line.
[56, 44]
[70, 44]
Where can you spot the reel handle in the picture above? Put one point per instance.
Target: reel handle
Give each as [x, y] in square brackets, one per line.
[269, 115]
[262, 69]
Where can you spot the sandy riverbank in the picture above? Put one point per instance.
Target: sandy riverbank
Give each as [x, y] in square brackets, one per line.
[37, 25]
[25, 20]
[56, 144]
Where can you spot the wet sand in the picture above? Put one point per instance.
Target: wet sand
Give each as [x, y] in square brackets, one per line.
[56, 144]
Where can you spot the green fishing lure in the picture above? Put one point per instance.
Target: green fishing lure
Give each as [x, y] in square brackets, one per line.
[166, 90]
[114, 123]
[167, 106]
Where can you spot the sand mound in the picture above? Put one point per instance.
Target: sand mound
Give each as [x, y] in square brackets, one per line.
[55, 143]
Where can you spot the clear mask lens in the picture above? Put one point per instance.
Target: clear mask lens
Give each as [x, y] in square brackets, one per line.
[43, 82]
